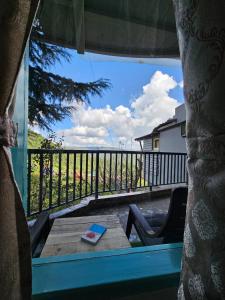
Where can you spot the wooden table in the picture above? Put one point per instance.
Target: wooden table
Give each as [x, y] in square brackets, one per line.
[65, 235]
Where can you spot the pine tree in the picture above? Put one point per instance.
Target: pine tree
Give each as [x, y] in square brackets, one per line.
[51, 96]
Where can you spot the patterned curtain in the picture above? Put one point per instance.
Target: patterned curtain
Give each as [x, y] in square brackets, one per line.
[16, 18]
[201, 34]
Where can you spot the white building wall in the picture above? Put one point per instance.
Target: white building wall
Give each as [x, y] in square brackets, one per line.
[150, 163]
[147, 145]
[171, 140]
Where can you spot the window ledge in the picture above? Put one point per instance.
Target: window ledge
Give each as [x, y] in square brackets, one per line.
[107, 272]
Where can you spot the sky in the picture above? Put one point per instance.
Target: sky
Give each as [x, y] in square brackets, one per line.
[144, 93]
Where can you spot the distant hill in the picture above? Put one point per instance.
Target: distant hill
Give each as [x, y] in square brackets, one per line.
[34, 139]
[95, 148]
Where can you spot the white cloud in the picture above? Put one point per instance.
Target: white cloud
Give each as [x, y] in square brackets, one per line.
[85, 131]
[181, 84]
[107, 126]
[35, 128]
[84, 141]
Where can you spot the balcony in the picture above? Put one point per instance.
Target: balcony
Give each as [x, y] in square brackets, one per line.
[70, 183]
[59, 179]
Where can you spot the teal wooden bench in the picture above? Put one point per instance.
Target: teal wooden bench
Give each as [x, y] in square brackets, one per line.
[114, 273]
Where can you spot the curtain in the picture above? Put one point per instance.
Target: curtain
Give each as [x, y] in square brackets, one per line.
[131, 28]
[16, 18]
[201, 35]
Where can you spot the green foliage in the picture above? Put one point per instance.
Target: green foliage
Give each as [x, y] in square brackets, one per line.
[34, 140]
[76, 181]
[38, 141]
[51, 96]
[51, 142]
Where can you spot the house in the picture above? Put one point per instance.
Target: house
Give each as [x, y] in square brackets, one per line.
[168, 136]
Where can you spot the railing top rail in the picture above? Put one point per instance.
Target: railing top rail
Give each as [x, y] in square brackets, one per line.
[38, 151]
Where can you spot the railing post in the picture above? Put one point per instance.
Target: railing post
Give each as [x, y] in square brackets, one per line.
[97, 176]
[40, 204]
[150, 171]
[186, 172]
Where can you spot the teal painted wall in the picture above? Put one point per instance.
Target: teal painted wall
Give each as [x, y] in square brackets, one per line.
[108, 274]
[19, 153]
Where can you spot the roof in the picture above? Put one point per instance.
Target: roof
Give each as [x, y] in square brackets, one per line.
[157, 129]
[147, 136]
[125, 28]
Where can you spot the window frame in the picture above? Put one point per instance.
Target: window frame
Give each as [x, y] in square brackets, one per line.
[156, 140]
[183, 129]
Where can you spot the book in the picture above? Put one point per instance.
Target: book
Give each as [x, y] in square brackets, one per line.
[93, 234]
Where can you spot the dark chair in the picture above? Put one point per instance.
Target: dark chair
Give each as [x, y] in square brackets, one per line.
[161, 228]
[38, 233]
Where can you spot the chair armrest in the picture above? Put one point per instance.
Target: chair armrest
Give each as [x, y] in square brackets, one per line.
[38, 228]
[140, 220]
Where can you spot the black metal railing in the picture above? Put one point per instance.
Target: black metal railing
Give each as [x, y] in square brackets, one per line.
[59, 177]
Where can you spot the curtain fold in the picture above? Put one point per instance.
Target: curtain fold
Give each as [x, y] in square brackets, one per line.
[201, 35]
[16, 17]
[130, 28]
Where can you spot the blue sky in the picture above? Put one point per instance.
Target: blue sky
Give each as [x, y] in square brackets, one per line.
[128, 77]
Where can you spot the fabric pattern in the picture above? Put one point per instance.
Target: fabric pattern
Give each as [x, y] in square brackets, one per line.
[7, 132]
[201, 35]
[16, 17]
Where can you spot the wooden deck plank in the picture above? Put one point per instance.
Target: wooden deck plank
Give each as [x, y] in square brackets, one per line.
[65, 236]
[75, 236]
[71, 227]
[59, 249]
[87, 219]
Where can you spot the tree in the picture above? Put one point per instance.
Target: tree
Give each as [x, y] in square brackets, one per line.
[51, 96]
